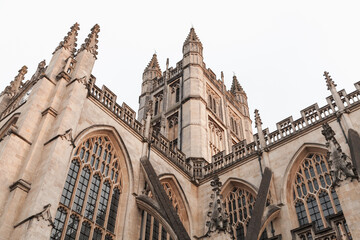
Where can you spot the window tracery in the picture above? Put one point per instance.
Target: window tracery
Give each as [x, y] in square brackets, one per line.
[239, 203]
[313, 196]
[90, 198]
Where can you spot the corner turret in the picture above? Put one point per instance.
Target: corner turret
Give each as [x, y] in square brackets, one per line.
[192, 49]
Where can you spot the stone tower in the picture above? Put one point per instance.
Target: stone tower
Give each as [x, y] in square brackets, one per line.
[191, 107]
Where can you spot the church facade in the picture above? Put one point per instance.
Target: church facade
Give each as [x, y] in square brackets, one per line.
[77, 165]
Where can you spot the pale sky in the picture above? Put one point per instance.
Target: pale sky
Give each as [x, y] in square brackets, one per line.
[278, 49]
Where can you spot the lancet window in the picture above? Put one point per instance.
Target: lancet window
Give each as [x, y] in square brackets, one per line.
[216, 138]
[173, 129]
[313, 197]
[158, 99]
[152, 229]
[239, 204]
[90, 198]
[175, 93]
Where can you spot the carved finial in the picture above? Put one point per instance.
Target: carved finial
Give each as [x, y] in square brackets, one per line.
[167, 63]
[329, 82]
[257, 118]
[70, 39]
[16, 84]
[341, 166]
[91, 41]
[222, 76]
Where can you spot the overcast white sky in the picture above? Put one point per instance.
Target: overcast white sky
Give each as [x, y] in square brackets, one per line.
[278, 49]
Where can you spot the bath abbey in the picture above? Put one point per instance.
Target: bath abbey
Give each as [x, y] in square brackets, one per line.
[77, 164]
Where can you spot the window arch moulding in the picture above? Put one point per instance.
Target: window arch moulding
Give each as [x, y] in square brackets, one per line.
[170, 183]
[98, 178]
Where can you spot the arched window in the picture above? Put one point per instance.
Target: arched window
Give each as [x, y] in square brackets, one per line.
[313, 197]
[239, 204]
[90, 198]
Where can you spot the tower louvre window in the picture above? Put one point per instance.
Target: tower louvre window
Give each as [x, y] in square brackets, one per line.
[96, 191]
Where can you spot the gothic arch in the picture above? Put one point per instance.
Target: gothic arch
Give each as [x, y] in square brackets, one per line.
[151, 209]
[95, 129]
[239, 198]
[294, 163]
[184, 207]
[307, 189]
[98, 186]
[232, 181]
[11, 122]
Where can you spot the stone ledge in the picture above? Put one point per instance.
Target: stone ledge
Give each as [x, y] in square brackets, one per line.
[22, 184]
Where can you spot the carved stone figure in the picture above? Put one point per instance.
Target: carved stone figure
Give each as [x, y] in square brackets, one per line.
[341, 166]
[219, 219]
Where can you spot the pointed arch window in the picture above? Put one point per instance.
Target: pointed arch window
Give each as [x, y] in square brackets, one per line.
[239, 204]
[90, 198]
[314, 198]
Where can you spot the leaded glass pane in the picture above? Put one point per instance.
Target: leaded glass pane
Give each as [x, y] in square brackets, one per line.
[81, 190]
[58, 224]
[70, 183]
[91, 201]
[104, 198]
[113, 210]
[85, 231]
[72, 228]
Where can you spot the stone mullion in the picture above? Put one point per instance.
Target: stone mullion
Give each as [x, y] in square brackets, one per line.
[321, 210]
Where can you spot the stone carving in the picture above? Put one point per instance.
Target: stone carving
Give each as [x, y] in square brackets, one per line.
[39, 71]
[83, 81]
[219, 219]
[91, 41]
[16, 84]
[341, 166]
[43, 215]
[68, 136]
[329, 82]
[70, 39]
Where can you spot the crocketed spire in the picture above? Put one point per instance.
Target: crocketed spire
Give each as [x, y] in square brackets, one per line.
[192, 37]
[70, 39]
[257, 118]
[91, 41]
[329, 82]
[235, 86]
[16, 84]
[153, 64]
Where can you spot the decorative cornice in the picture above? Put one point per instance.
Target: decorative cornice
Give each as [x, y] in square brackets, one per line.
[91, 41]
[69, 42]
[21, 184]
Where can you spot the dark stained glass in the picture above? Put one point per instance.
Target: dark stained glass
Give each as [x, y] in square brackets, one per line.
[58, 224]
[85, 231]
[301, 213]
[81, 190]
[113, 210]
[104, 198]
[97, 234]
[70, 183]
[314, 212]
[91, 201]
[72, 228]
